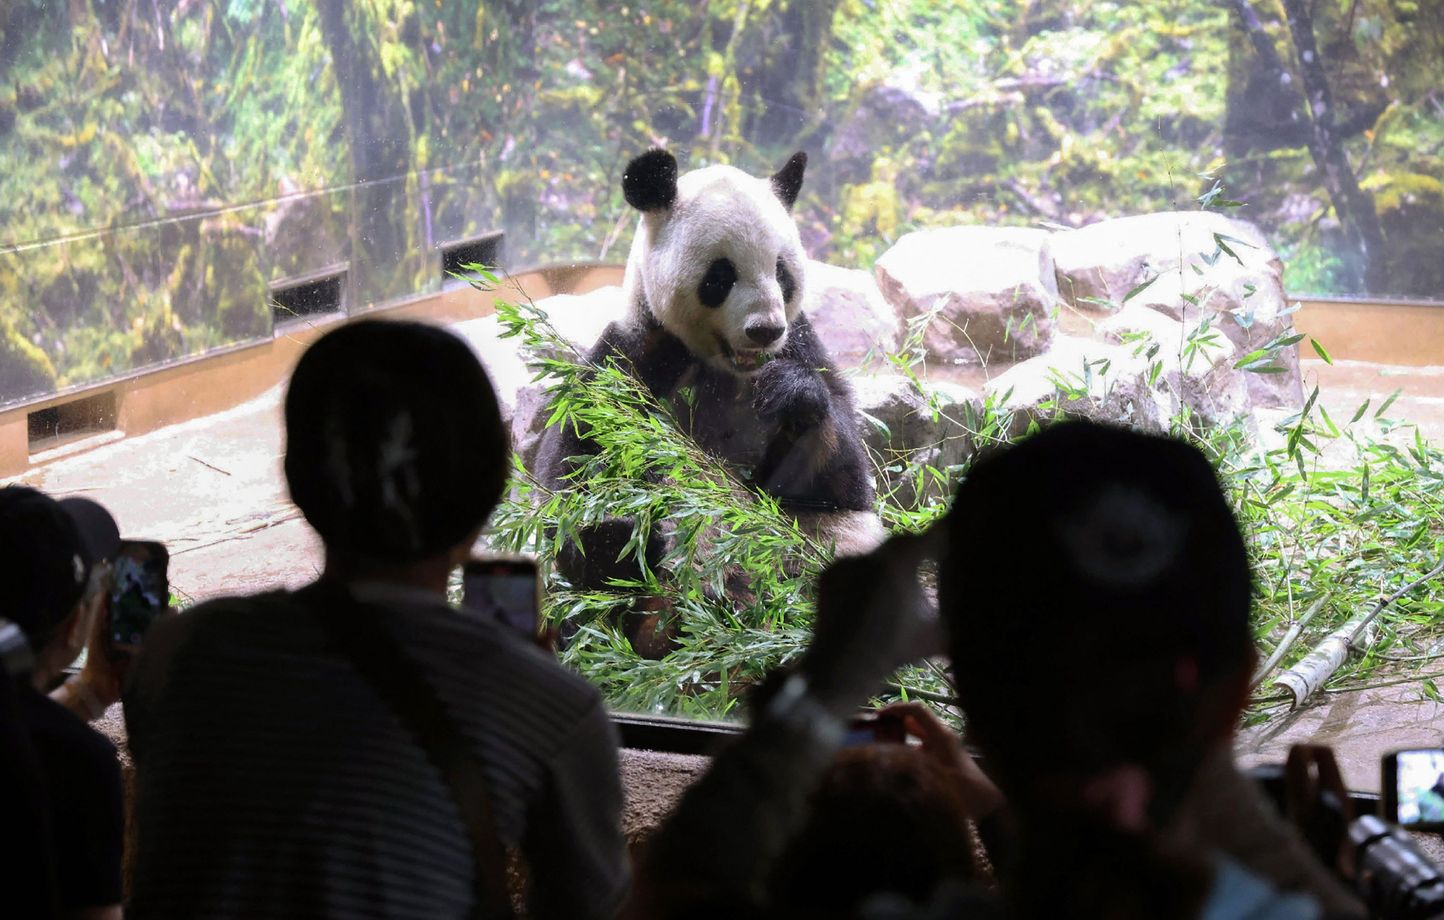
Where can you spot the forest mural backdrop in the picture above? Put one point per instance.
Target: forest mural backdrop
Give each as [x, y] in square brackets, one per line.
[163, 161]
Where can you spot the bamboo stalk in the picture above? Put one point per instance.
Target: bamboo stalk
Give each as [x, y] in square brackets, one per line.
[918, 693]
[1287, 642]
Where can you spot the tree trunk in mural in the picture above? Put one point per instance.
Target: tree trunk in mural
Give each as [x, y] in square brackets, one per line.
[510, 63]
[378, 136]
[789, 86]
[1324, 138]
[1354, 206]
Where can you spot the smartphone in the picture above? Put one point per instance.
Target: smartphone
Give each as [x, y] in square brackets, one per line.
[139, 590]
[1413, 787]
[506, 589]
[874, 728]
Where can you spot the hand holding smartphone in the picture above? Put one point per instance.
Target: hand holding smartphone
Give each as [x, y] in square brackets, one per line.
[139, 590]
[506, 589]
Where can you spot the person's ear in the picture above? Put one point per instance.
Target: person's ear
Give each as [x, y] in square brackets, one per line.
[1224, 702]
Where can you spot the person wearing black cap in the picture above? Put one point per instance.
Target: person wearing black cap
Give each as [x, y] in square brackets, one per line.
[1113, 558]
[278, 775]
[53, 565]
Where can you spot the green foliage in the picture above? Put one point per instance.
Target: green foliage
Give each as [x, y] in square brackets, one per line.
[724, 534]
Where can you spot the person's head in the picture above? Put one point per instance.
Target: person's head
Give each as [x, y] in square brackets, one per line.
[1096, 591]
[887, 818]
[53, 557]
[395, 448]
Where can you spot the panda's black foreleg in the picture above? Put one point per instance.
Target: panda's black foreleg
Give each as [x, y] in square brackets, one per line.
[595, 559]
[592, 560]
[791, 396]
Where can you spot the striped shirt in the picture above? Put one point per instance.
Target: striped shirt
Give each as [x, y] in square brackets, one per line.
[271, 781]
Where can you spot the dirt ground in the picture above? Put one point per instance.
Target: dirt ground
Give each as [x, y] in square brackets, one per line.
[211, 489]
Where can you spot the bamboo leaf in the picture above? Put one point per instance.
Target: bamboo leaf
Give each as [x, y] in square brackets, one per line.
[1139, 289]
[1384, 407]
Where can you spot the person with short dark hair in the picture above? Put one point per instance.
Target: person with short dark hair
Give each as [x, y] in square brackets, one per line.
[53, 566]
[277, 777]
[888, 823]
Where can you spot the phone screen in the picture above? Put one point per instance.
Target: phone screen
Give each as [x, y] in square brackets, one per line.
[505, 589]
[139, 592]
[874, 728]
[1416, 787]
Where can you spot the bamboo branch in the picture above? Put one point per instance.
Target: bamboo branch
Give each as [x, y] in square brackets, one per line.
[940, 698]
[1287, 642]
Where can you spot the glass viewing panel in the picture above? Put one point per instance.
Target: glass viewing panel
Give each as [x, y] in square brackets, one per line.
[172, 173]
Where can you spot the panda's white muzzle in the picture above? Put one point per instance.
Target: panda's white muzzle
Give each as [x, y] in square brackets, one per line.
[749, 360]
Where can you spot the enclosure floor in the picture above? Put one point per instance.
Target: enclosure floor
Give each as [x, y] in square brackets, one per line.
[212, 490]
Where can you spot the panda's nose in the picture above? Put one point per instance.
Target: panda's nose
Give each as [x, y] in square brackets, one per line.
[764, 334]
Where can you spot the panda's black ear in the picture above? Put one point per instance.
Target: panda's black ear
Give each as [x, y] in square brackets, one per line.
[650, 180]
[787, 181]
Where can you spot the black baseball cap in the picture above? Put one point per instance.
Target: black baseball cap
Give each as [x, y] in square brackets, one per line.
[1110, 560]
[48, 549]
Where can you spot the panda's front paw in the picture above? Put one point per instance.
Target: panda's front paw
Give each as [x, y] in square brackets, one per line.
[790, 394]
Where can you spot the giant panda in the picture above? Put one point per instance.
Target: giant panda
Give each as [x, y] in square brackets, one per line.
[714, 327]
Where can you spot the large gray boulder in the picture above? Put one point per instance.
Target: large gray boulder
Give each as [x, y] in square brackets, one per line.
[1202, 263]
[504, 366]
[1195, 363]
[578, 318]
[989, 293]
[528, 420]
[907, 429]
[849, 314]
[1080, 378]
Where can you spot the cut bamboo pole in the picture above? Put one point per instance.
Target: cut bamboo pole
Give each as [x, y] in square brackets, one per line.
[1320, 663]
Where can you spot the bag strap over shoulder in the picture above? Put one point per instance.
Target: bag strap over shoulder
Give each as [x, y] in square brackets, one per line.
[356, 629]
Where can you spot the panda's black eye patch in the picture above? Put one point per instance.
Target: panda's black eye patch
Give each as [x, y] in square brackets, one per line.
[785, 281]
[717, 283]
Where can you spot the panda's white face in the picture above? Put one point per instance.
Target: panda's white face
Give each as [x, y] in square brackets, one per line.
[722, 268]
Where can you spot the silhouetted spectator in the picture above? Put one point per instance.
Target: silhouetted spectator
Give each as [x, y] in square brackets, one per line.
[890, 821]
[1097, 593]
[53, 573]
[27, 874]
[91, 692]
[275, 779]
[730, 830]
